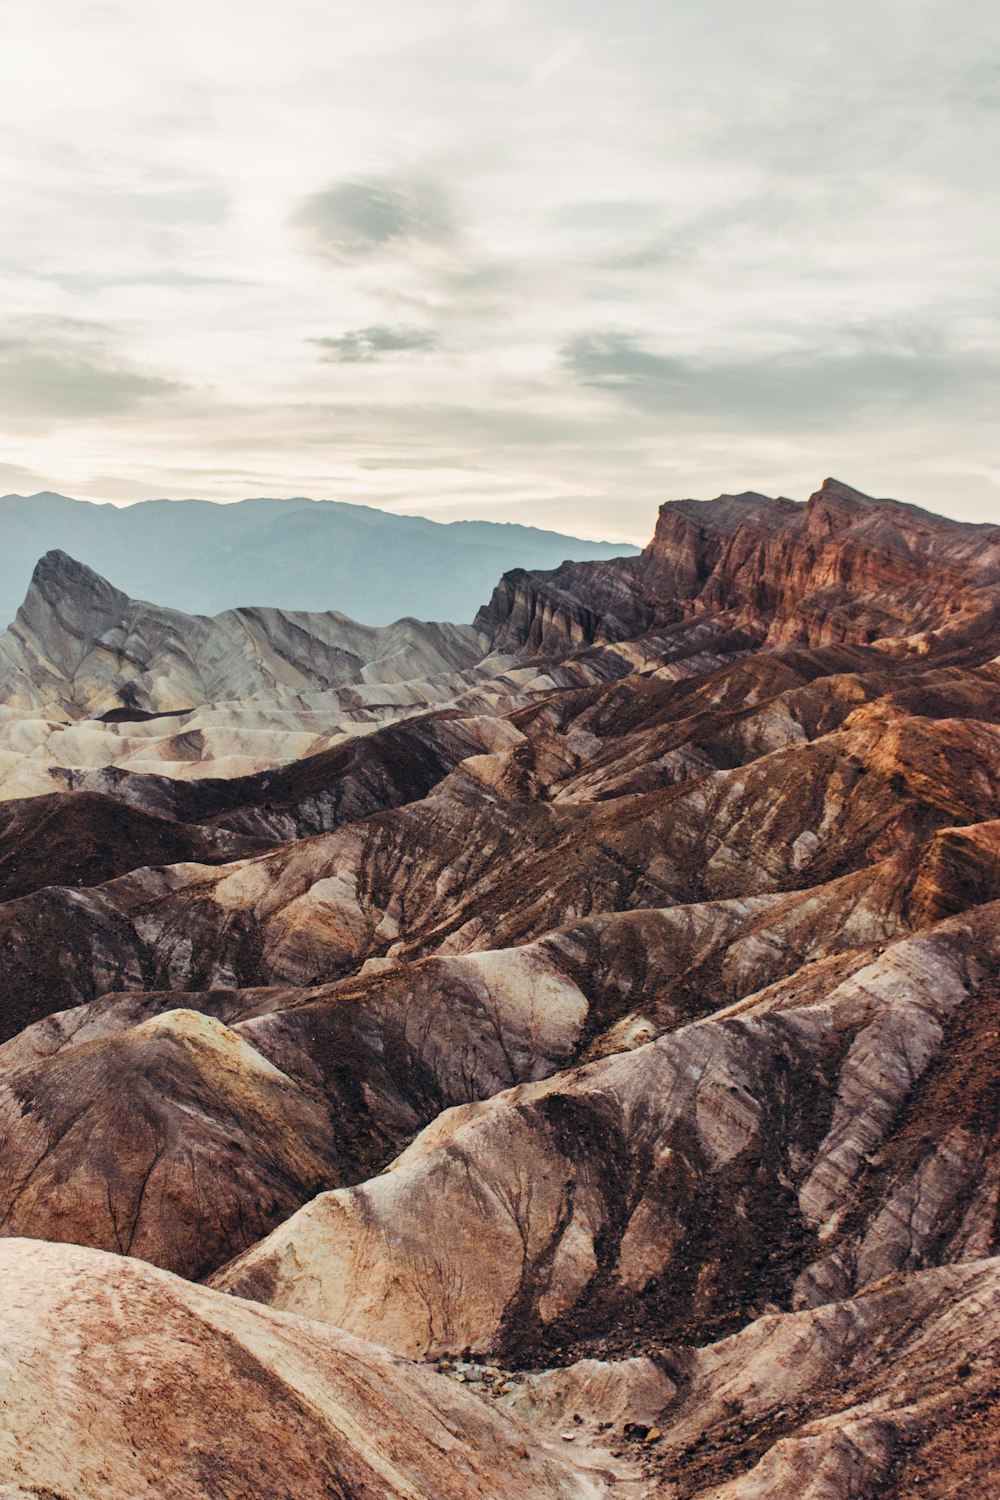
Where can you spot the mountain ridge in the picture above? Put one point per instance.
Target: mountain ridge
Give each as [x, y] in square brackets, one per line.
[797, 570]
[88, 649]
[204, 557]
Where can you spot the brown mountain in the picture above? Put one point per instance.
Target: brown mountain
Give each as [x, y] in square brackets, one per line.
[841, 568]
[611, 1020]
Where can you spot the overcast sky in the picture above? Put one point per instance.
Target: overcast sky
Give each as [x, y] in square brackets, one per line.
[552, 261]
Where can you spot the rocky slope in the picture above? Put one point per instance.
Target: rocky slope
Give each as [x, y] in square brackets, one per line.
[892, 1393]
[79, 646]
[91, 681]
[615, 1029]
[120, 1380]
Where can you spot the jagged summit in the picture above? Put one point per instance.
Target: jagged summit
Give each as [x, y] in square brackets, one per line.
[841, 567]
[59, 585]
[68, 608]
[80, 647]
[57, 569]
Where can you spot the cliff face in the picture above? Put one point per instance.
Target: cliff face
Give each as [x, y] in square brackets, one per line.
[842, 567]
[611, 1023]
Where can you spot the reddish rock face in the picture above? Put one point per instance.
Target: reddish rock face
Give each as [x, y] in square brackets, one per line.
[842, 567]
[612, 1021]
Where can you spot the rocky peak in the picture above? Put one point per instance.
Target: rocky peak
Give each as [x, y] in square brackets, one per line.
[66, 609]
[717, 519]
[67, 599]
[843, 567]
[836, 507]
[57, 574]
[80, 647]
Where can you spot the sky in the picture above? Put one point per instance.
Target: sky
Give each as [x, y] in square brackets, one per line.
[550, 262]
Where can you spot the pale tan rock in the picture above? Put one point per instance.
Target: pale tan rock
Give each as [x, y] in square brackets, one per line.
[120, 1382]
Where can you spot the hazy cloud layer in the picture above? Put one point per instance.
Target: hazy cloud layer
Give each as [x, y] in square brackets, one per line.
[863, 377]
[368, 218]
[359, 345]
[54, 369]
[548, 261]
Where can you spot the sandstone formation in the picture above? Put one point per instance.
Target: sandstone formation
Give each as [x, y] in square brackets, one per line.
[843, 567]
[605, 1013]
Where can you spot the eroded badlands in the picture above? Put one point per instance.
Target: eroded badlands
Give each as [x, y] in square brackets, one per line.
[552, 1056]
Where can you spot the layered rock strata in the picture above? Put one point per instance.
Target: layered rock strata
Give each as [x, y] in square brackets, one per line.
[609, 1021]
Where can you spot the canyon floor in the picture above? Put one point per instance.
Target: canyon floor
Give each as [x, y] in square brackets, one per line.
[555, 1056]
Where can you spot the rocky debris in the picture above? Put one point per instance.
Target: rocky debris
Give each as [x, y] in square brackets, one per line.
[120, 1380]
[486, 1380]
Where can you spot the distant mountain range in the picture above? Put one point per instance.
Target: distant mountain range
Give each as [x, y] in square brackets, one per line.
[299, 554]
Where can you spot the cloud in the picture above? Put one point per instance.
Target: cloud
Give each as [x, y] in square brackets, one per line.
[89, 282]
[853, 374]
[366, 218]
[21, 480]
[688, 202]
[54, 368]
[363, 345]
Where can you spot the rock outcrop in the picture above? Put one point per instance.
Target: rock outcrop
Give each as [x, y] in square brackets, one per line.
[842, 567]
